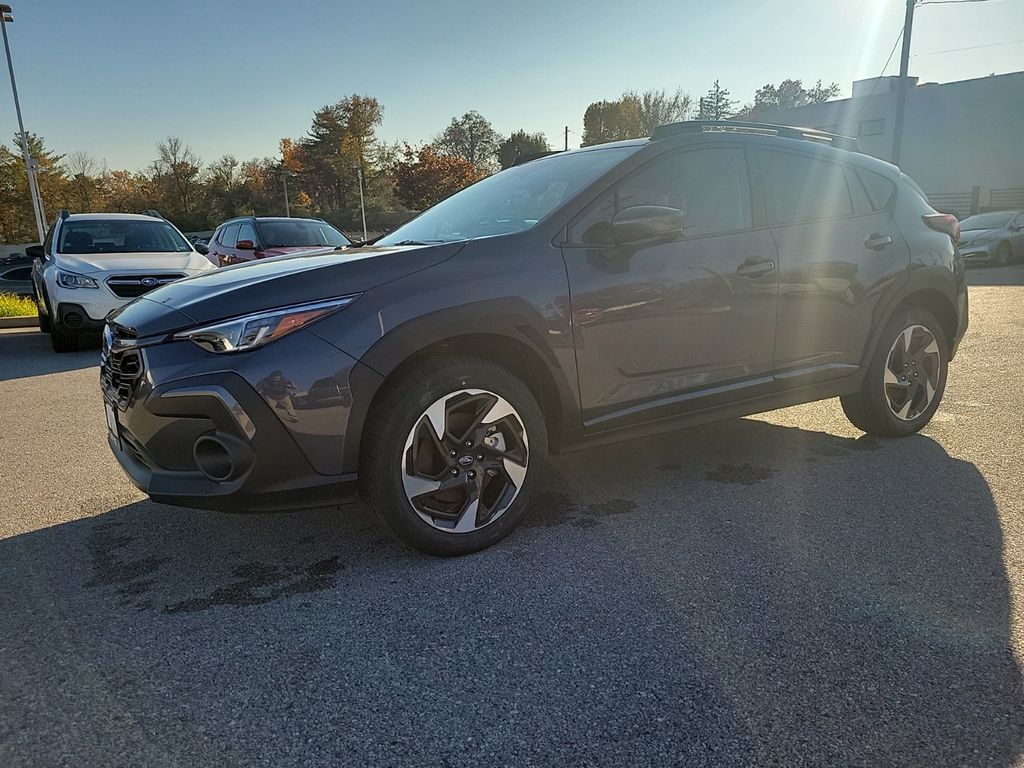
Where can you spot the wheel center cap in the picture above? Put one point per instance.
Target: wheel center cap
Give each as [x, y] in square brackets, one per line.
[465, 461]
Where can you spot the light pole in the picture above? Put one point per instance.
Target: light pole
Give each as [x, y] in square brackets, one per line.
[285, 173]
[362, 204]
[33, 189]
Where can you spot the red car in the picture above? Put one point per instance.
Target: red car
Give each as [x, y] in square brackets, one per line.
[251, 237]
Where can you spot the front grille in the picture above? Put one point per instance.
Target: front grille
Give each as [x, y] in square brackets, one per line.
[132, 286]
[121, 365]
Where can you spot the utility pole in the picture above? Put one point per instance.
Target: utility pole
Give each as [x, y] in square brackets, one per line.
[285, 173]
[33, 188]
[901, 88]
[362, 204]
[567, 138]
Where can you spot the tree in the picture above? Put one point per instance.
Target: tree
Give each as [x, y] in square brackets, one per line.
[654, 108]
[716, 105]
[17, 219]
[789, 94]
[176, 179]
[521, 143]
[633, 116]
[471, 138]
[426, 176]
[82, 169]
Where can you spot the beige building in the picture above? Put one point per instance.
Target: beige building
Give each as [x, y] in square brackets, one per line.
[963, 142]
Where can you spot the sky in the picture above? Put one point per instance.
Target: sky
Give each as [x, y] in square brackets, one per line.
[112, 77]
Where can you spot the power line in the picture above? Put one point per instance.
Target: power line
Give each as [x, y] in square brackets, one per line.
[971, 47]
[953, 2]
[886, 65]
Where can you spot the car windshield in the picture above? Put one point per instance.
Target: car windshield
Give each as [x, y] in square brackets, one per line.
[299, 232]
[120, 236]
[986, 221]
[510, 201]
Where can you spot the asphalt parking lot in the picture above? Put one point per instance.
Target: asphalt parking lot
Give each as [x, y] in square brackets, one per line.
[779, 590]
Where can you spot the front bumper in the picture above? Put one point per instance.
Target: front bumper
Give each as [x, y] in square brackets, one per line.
[202, 430]
[979, 254]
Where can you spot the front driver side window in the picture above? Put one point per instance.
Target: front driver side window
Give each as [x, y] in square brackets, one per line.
[710, 186]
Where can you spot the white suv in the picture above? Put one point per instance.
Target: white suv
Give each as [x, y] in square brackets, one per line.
[92, 263]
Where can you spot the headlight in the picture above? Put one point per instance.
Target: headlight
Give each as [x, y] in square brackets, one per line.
[71, 280]
[251, 331]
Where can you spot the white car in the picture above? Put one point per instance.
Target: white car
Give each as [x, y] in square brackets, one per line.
[93, 263]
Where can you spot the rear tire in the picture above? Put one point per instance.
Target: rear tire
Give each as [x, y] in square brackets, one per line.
[445, 504]
[63, 339]
[905, 379]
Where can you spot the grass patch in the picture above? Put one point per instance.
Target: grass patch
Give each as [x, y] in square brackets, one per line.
[16, 306]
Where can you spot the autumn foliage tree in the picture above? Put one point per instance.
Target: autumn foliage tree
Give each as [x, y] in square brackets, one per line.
[426, 176]
[633, 116]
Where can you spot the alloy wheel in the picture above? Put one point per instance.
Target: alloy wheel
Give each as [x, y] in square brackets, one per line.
[465, 460]
[912, 372]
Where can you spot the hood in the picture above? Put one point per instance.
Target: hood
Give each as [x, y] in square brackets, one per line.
[270, 283]
[284, 250]
[87, 263]
[970, 235]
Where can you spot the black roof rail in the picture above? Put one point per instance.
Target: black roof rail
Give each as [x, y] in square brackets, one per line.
[151, 212]
[63, 213]
[527, 157]
[759, 129]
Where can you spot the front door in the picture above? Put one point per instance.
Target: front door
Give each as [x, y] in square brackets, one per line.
[669, 326]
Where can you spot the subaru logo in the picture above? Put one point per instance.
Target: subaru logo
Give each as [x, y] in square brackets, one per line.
[150, 282]
[465, 461]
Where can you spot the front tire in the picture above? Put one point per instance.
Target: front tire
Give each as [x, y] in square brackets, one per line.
[1003, 255]
[452, 454]
[62, 338]
[905, 379]
[45, 321]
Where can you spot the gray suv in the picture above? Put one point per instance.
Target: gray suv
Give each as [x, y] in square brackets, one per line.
[711, 271]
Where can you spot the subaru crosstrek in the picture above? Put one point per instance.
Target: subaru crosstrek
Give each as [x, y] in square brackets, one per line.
[712, 271]
[93, 263]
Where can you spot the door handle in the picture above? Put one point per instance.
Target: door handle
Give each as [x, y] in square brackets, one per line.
[754, 267]
[876, 241]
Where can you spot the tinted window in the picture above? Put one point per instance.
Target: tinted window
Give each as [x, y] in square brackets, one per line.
[246, 232]
[120, 236]
[48, 242]
[297, 232]
[21, 273]
[229, 236]
[858, 195]
[986, 221]
[880, 190]
[800, 188]
[711, 187]
[512, 200]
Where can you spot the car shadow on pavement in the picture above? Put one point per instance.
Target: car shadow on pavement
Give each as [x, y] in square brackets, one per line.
[35, 357]
[738, 594]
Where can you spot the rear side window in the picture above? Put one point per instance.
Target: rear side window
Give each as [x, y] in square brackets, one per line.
[710, 186]
[880, 190]
[229, 236]
[246, 232]
[800, 188]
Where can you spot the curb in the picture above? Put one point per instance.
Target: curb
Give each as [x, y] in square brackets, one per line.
[24, 321]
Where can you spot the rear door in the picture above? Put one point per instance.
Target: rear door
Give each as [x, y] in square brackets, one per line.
[839, 250]
[662, 326]
[226, 250]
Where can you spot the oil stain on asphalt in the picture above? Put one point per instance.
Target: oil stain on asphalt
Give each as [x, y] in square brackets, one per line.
[551, 508]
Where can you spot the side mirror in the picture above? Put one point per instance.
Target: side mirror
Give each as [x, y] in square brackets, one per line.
[646, 222]
[35, 252]
[200, 248]
[245, 245]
